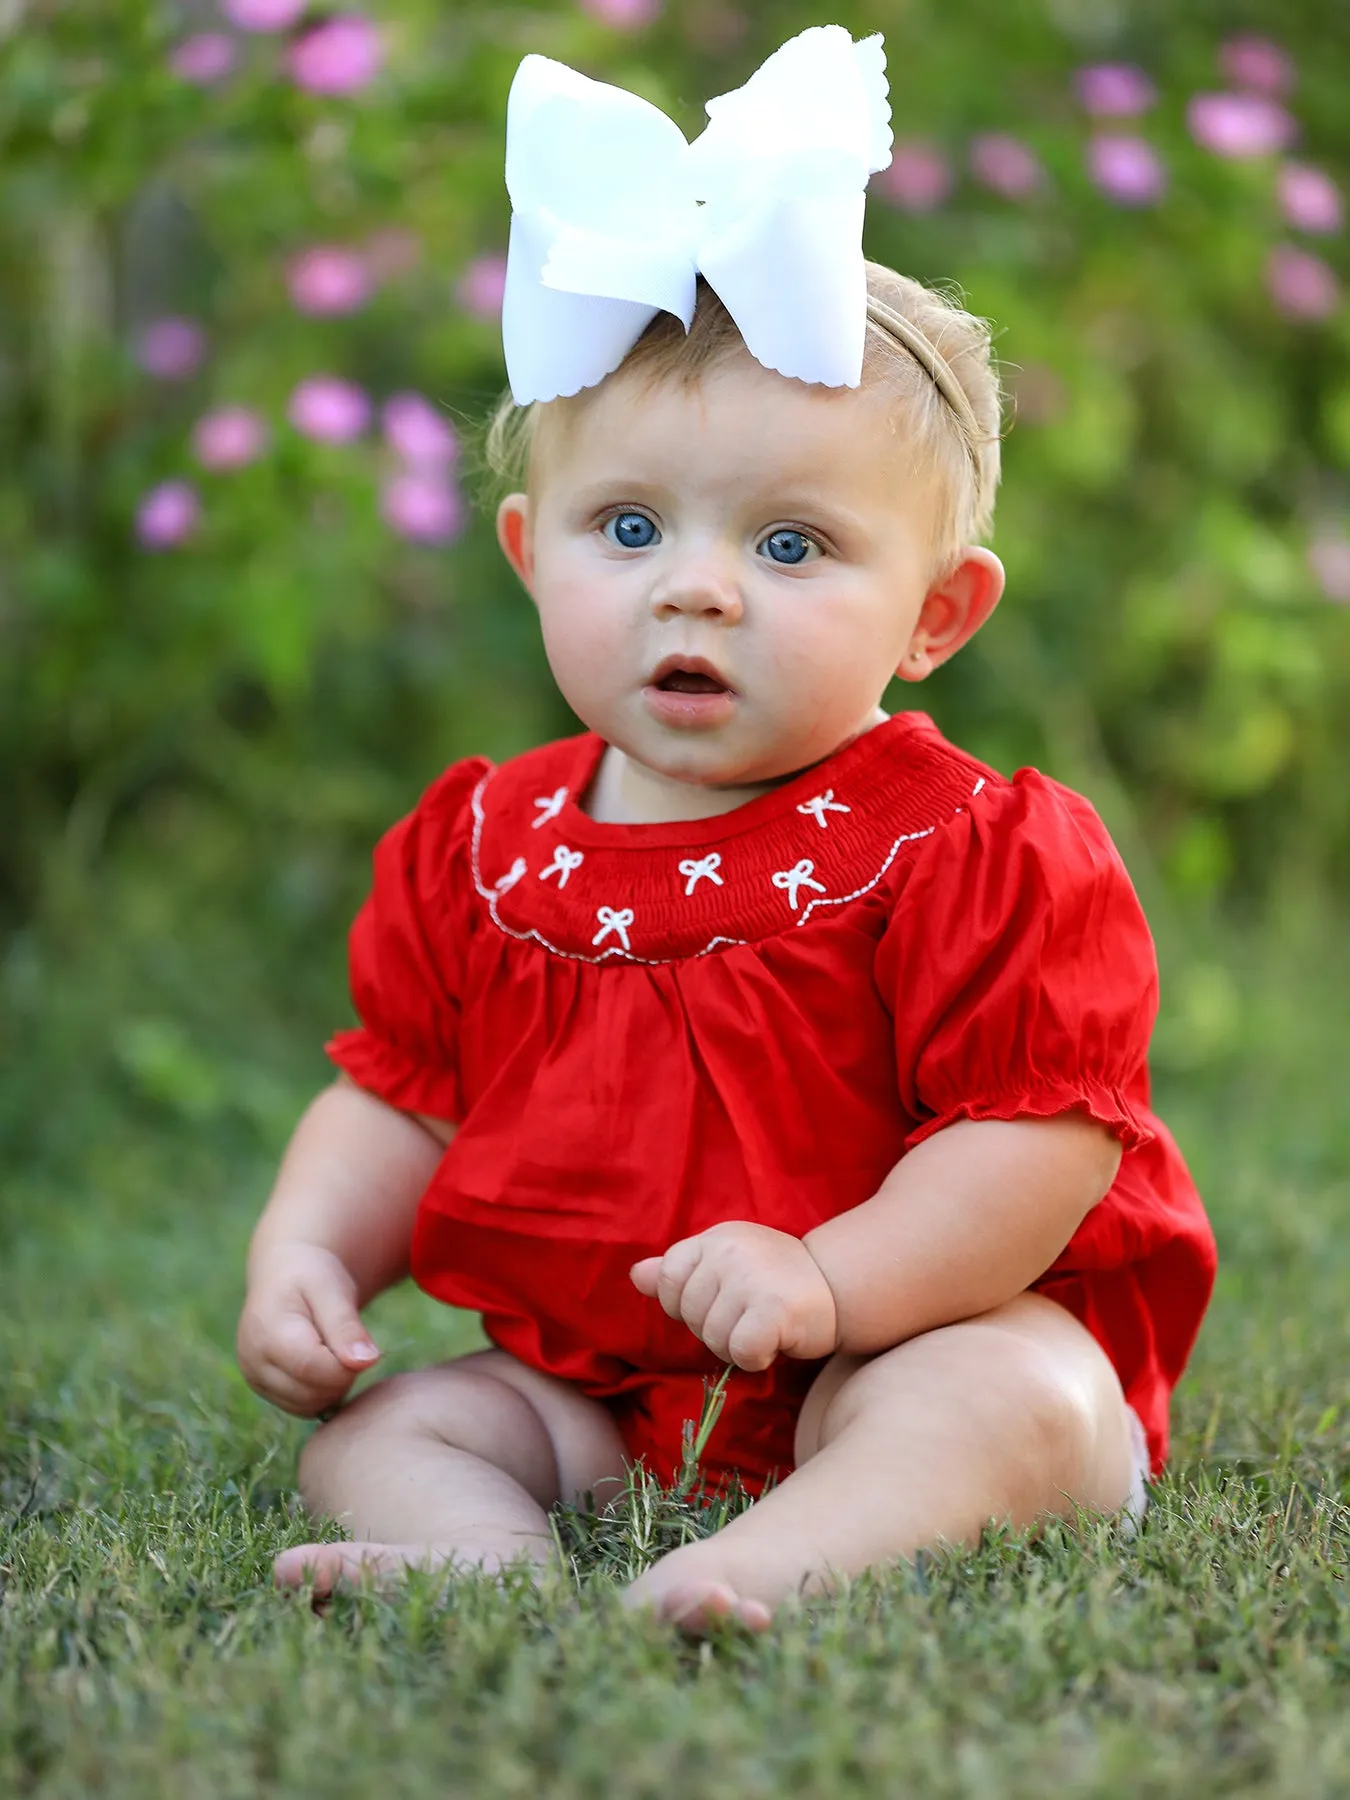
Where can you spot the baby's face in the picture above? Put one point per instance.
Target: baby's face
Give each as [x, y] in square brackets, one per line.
[756, 527]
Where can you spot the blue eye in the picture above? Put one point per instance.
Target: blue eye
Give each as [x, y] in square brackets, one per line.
[631, 531]
[788, 546]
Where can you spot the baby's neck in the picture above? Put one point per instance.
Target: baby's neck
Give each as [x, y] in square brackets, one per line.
[626, 792]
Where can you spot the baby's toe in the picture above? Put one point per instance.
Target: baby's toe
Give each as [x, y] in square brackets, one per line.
[325, 1567]
[313, 1565]
[698, 1611]
[698, 1605]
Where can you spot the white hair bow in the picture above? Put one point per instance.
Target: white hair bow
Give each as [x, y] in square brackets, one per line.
[615, 215]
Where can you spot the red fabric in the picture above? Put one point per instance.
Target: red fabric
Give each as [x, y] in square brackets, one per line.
[640, 1032]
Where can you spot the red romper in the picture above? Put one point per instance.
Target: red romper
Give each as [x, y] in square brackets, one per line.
[642, 1030]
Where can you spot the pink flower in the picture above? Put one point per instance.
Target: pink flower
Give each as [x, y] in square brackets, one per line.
[328, 409]
[171, 348]
[340, 56]
[1005, 164]
[229, 437]
[481, 286]
[1301, 284]
[623, 15]
[1239, 125]
[1309, 200]
[264, 15]
[1114, 90]
[168, 515]
[206, 58]
[416, 431]
[389, 252]
[1127, 169]
[1329, 560]
[918, 178]
[1257, 64]
[327, 279]
[422, 507]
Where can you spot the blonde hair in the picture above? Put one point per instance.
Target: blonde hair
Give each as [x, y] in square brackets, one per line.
[956, 449]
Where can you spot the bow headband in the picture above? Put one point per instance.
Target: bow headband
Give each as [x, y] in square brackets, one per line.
[615, 216]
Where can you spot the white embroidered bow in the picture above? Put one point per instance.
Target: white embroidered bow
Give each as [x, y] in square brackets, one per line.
[820, 804]
[696, 868]
[564, 861]
[615, 215]
[801, 876]
[512, 876]
[613, 921]
[552, 804]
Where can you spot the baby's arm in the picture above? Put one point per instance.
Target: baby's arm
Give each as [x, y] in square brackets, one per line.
[336, 1232]
[963, 1222]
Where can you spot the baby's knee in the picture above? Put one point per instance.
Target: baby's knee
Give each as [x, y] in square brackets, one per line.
[1019, 1394]
[1046, 1408]
[1057, 1416]
[451, 1407]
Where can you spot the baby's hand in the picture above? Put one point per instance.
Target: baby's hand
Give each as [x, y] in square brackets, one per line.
[301, 1341]
[748, 1291]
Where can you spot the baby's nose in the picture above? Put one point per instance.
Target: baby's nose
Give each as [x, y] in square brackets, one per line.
[701, 583]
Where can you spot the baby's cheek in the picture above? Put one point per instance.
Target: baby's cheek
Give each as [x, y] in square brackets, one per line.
[583, 648]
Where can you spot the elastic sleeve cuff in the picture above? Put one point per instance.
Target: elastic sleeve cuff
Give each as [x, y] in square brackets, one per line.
[393, 1076]
[1047, 1100]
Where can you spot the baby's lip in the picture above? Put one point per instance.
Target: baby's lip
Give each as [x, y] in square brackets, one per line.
[689, 665]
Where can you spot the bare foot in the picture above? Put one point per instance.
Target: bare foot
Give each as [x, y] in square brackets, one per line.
[699, 1606]
[330, 1566]
[699, 1587]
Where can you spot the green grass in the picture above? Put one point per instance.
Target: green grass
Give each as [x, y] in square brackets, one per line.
[152, 1071]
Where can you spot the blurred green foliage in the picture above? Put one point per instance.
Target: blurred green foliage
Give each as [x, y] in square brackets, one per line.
[257, 702]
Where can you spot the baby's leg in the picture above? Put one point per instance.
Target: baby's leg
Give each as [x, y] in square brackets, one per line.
[461, 1462]
[1012, 1415]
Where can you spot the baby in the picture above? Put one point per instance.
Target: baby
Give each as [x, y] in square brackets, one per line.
[750, 1025]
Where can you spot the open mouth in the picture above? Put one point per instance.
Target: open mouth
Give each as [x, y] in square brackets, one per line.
[687, 692]
[684, 681]
[680, 674]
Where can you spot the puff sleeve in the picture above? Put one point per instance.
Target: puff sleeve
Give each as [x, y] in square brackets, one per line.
[406, 954]
[1019, 968]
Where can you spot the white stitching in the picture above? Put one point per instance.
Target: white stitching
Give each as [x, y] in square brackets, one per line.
[820, 805]
[708, 865]
[525, 937]
[978, 785]
[839, 899]
[518, 868]
[552, 804]
[564, 861]
[792, 879]
[651, 962]
[613, 921]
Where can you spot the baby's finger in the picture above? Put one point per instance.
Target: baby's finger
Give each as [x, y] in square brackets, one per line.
[339, 1325]
[291, 1396]
[281, 1388]
[294, 1345]
[677, 1265]
[644, 1275]
[755, 1339]
[701, 1294]
[720, 1321]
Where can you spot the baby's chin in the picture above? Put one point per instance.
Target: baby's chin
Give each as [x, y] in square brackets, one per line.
[702, 752]
[745, 757]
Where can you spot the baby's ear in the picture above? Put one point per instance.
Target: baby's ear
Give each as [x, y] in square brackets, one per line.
[953, 610]
[515, 534]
